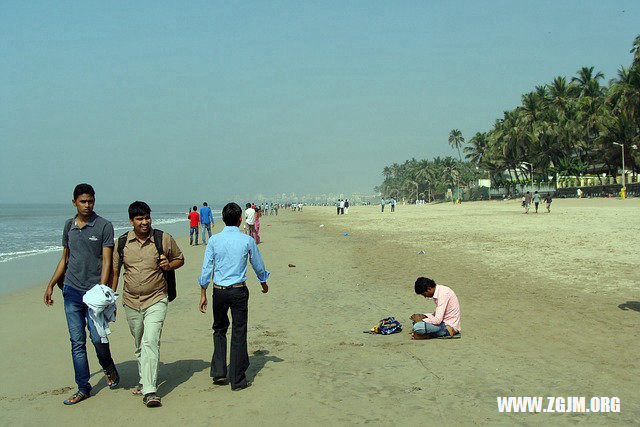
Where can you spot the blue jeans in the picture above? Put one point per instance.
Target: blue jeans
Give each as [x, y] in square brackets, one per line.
[205, 227]
[434, 331]
[77, 314]
[191, 231]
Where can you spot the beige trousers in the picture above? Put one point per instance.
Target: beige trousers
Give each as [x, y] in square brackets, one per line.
[146, 328]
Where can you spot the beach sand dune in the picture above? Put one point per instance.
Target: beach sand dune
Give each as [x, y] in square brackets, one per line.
[550, 307]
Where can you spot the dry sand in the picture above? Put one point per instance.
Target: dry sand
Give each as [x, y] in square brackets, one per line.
[550, 307]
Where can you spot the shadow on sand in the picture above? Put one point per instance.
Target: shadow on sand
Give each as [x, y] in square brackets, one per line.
[170, 375]
[630, 305]
[257, 360]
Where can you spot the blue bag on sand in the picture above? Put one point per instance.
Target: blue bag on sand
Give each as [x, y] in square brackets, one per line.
[386, 326]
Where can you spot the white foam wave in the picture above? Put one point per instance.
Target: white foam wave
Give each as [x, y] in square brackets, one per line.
[8, 256]
[153, 224]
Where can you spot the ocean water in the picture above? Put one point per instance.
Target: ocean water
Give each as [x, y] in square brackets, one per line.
[29, 230]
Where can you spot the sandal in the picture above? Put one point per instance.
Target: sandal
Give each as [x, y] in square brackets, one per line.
[112, 377]
[77, 397]
[151, 400]
[137, 390]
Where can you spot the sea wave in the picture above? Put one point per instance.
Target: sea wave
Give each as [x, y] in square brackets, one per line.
[154, 223]
[8, 256]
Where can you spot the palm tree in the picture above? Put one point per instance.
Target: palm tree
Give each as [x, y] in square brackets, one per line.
[635, 49]
[476, 148]
[410, 184]
[426, 173]
[587, 82]
[456, 140]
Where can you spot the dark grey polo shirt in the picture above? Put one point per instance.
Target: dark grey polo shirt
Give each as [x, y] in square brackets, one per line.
[85, 251]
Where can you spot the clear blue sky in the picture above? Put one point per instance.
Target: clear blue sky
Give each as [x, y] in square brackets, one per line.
[186, 101]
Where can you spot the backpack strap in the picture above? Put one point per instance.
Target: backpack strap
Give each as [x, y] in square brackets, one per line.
[65, 234]
[169, 276]
[157, 238]
[67, 227]
[122, 241]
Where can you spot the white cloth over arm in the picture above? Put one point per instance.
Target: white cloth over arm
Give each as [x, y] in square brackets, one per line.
[101, 301]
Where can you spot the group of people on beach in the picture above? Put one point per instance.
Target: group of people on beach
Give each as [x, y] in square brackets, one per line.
[342, 206]
[88, 274]
[203, 220]
[392, 204]
[252, 215]
[89, 270]
[527, 198]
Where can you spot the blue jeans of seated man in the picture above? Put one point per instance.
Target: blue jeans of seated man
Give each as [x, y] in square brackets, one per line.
[434, 331]
[78, 320]
[205, 227]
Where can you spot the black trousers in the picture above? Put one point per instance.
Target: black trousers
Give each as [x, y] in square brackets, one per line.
[237, 300]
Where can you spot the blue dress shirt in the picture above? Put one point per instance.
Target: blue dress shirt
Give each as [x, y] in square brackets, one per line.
[206, 217]
[226, 254]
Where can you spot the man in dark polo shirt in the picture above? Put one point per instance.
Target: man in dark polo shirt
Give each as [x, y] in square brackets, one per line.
[145, 293]
[86, 261]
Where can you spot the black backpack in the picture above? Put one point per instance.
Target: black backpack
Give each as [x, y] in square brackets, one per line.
[169, 276]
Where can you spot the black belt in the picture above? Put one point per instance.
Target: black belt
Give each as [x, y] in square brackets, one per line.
[237, 285]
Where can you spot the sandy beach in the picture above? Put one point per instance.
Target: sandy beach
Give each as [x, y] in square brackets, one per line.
[550, 307]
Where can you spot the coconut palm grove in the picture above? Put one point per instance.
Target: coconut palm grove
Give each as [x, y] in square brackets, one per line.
[571, 132]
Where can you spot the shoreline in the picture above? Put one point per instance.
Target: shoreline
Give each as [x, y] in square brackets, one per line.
[36, 270]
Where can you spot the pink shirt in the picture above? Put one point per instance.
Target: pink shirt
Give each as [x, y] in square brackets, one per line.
[447, 308]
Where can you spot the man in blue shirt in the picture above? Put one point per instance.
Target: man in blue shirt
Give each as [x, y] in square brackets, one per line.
[206, 219]
[226, 256]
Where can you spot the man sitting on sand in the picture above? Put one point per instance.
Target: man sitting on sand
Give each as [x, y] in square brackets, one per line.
[445, 321]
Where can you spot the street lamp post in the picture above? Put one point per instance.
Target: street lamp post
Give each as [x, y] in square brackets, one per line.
[624, 187]
[531, 168]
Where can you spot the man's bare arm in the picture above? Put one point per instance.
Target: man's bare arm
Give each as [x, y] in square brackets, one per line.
[57, 275]
[107, 262]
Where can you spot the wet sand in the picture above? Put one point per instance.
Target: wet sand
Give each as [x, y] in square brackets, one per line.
[550, 307]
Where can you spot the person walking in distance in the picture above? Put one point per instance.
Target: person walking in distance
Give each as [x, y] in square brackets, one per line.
[548, 200]
[250, 220]
[536, 200]
[527, 202]
[194, 224]
[206, 220]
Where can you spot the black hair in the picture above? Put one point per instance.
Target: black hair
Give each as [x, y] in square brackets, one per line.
[195, 208]
[248, 205]
[422, 284]
[204, 204]
[83, 189]
[231, 214]
[138, 208]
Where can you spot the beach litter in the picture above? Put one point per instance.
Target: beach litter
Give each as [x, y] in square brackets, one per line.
[321, 225]
[291, 265]
[345, 234]
[422, 253]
